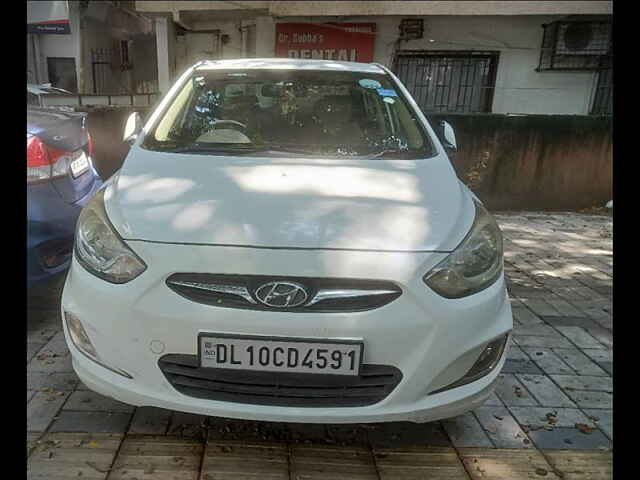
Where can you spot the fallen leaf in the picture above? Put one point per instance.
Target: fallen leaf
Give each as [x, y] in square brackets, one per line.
[552, 419]
[584, 428]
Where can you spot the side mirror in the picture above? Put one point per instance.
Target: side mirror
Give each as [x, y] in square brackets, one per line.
[132, 128]
[448, 137]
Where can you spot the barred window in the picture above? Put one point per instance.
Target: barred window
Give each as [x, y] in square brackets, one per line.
[450, 81]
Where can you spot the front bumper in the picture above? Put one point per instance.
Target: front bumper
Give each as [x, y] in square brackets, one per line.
[433, 341]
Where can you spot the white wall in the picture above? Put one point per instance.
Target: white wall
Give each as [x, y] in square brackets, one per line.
[66, 46]
[519, 88]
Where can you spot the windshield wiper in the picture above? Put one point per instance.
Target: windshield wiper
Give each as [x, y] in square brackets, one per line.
[214, 148]
[236, 149]
[395, 153]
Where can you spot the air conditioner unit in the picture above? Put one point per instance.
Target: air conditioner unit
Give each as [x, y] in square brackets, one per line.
[583, 38]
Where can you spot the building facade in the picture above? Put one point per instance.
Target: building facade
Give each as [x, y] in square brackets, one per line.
[524, 57]
[96, 47]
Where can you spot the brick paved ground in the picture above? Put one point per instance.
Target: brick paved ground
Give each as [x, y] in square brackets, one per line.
[551, 414]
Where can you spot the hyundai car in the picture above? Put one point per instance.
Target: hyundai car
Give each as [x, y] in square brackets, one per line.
[287, 240]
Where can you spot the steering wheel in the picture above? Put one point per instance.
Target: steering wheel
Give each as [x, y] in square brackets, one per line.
[230, 123]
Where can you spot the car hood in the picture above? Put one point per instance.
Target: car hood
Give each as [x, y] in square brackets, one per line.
[389, 205]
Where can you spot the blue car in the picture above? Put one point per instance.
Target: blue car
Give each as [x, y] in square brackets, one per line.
[61, 179]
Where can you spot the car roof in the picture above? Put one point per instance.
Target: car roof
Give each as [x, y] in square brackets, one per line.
[289, 64]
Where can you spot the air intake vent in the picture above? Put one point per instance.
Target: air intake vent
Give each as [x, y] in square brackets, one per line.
[299, 294]
[373, 384]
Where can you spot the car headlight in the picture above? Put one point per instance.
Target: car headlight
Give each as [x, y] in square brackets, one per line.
[100, 249]
[475, 264]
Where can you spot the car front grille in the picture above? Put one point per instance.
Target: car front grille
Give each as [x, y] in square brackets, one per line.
[321, 294]
[372, 385]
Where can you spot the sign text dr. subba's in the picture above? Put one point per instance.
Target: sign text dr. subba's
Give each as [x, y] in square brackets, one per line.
[352, 42]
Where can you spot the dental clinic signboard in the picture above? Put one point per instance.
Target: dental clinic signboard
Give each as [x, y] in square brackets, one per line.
[48, 17]
[352, 42]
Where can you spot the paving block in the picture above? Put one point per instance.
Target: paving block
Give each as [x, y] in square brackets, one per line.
[315, 433]
[603, 335]
[512, 392]
[565, 308]
[97, 422]
[32, 439]
[57, 345]
[224, 429]
[569, 438]
[324, 462]
[188, 425]
[346, 434]
[537, 330]
[150, 421]
[547, 360]
[540, 306]
[541, 341]
[583, 382]
[65, 382]
[505, 464]
[570, 321]
[545, 391]
[50, 363]
[151, 457]
[607, 367]
[602, 418]
[61, 456]
[591, 399]
[245, 460]
[549, 417]
[579, 362]
[42, 408]
[502, 428]
[493, 401]
[587, 465]
[599, 355]
[512, 365]
[580, 337]
[32, 349]
[417, 463]
[94, 402]
[400, 434]
[466, 431]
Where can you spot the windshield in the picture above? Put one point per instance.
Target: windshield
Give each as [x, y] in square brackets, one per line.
[325, 113]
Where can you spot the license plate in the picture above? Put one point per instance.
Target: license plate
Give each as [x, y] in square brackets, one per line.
[79, 165]
[280, 354]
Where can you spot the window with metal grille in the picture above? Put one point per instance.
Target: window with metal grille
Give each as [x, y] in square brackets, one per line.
[452, 81]
[603, 94]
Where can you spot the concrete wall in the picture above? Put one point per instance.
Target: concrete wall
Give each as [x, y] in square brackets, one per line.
[534, 162]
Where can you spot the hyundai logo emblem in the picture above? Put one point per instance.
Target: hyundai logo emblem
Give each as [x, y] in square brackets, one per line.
[281, 294]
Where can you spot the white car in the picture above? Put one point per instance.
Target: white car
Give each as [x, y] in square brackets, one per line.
[287, 241]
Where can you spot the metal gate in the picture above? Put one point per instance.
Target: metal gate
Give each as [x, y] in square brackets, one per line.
[451, 81]
[101, 70]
